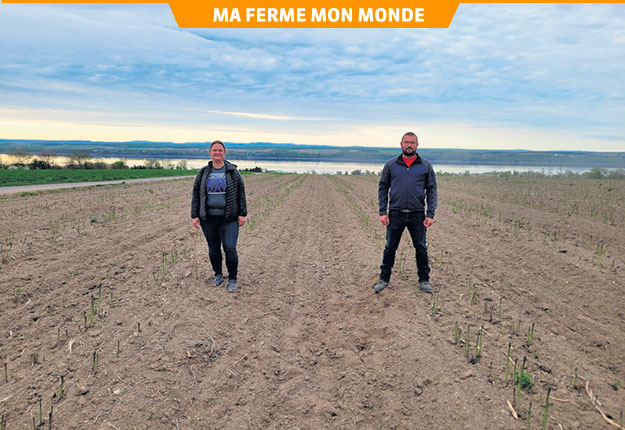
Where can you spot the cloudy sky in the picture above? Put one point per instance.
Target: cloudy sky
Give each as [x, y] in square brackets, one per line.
[503, 76]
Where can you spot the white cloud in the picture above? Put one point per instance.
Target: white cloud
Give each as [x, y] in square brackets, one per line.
[541, 67]
[267, 116]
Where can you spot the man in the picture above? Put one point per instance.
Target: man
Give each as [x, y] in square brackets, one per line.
[410, 181]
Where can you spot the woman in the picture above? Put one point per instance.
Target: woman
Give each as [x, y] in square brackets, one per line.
[218, 206]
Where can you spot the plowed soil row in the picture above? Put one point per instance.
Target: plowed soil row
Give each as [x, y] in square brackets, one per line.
[305, 343]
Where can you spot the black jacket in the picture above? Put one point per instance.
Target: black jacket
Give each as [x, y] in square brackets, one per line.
[409, 186]
[236, 205]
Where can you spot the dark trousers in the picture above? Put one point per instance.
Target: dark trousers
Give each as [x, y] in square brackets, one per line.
[398, 222]
[219, 232]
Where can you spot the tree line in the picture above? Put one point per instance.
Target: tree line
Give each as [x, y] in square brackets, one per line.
[23, 159]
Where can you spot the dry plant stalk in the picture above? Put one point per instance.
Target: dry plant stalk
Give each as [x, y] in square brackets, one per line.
[605, 417]
[512, 411]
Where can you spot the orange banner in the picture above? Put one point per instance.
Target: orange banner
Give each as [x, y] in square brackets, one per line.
[324, 14]
[307, 14]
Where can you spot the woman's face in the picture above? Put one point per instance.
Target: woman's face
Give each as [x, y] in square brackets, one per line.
[217, 153]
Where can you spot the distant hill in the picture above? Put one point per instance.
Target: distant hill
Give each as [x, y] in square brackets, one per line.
[292, 152]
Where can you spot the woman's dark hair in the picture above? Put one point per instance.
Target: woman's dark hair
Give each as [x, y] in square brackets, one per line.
[217, 142]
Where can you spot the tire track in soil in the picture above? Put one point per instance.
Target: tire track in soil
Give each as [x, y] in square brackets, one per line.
[310, 346]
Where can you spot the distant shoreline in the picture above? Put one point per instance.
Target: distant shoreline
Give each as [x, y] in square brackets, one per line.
[273, 152]
[453, 162]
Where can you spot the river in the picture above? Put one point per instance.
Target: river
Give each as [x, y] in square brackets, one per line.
[323, 167]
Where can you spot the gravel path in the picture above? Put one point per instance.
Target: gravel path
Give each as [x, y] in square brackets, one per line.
[31, 188]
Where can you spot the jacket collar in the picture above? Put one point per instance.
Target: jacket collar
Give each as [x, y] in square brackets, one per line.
[229, 165]
[400, 160]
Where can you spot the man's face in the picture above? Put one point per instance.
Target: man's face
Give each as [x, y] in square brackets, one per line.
[409, 145]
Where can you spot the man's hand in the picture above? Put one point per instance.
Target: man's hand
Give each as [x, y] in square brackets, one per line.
[242, 220]
[196, 222]
[384, 220]
[428, 222]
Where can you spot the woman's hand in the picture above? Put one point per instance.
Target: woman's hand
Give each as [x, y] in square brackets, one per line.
[242, 220]
[196, 222]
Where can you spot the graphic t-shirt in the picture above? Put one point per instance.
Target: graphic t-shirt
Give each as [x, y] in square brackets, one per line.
[216, 192]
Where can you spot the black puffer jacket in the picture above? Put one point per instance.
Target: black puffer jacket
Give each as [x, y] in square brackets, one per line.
[236, 205]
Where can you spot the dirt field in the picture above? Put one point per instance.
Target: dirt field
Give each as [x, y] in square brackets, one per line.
[306, 344]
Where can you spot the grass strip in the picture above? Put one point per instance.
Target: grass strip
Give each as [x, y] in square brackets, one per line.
[11, 178]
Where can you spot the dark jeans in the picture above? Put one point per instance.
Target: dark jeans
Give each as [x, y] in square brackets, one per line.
[398, 222]
[219, 232]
